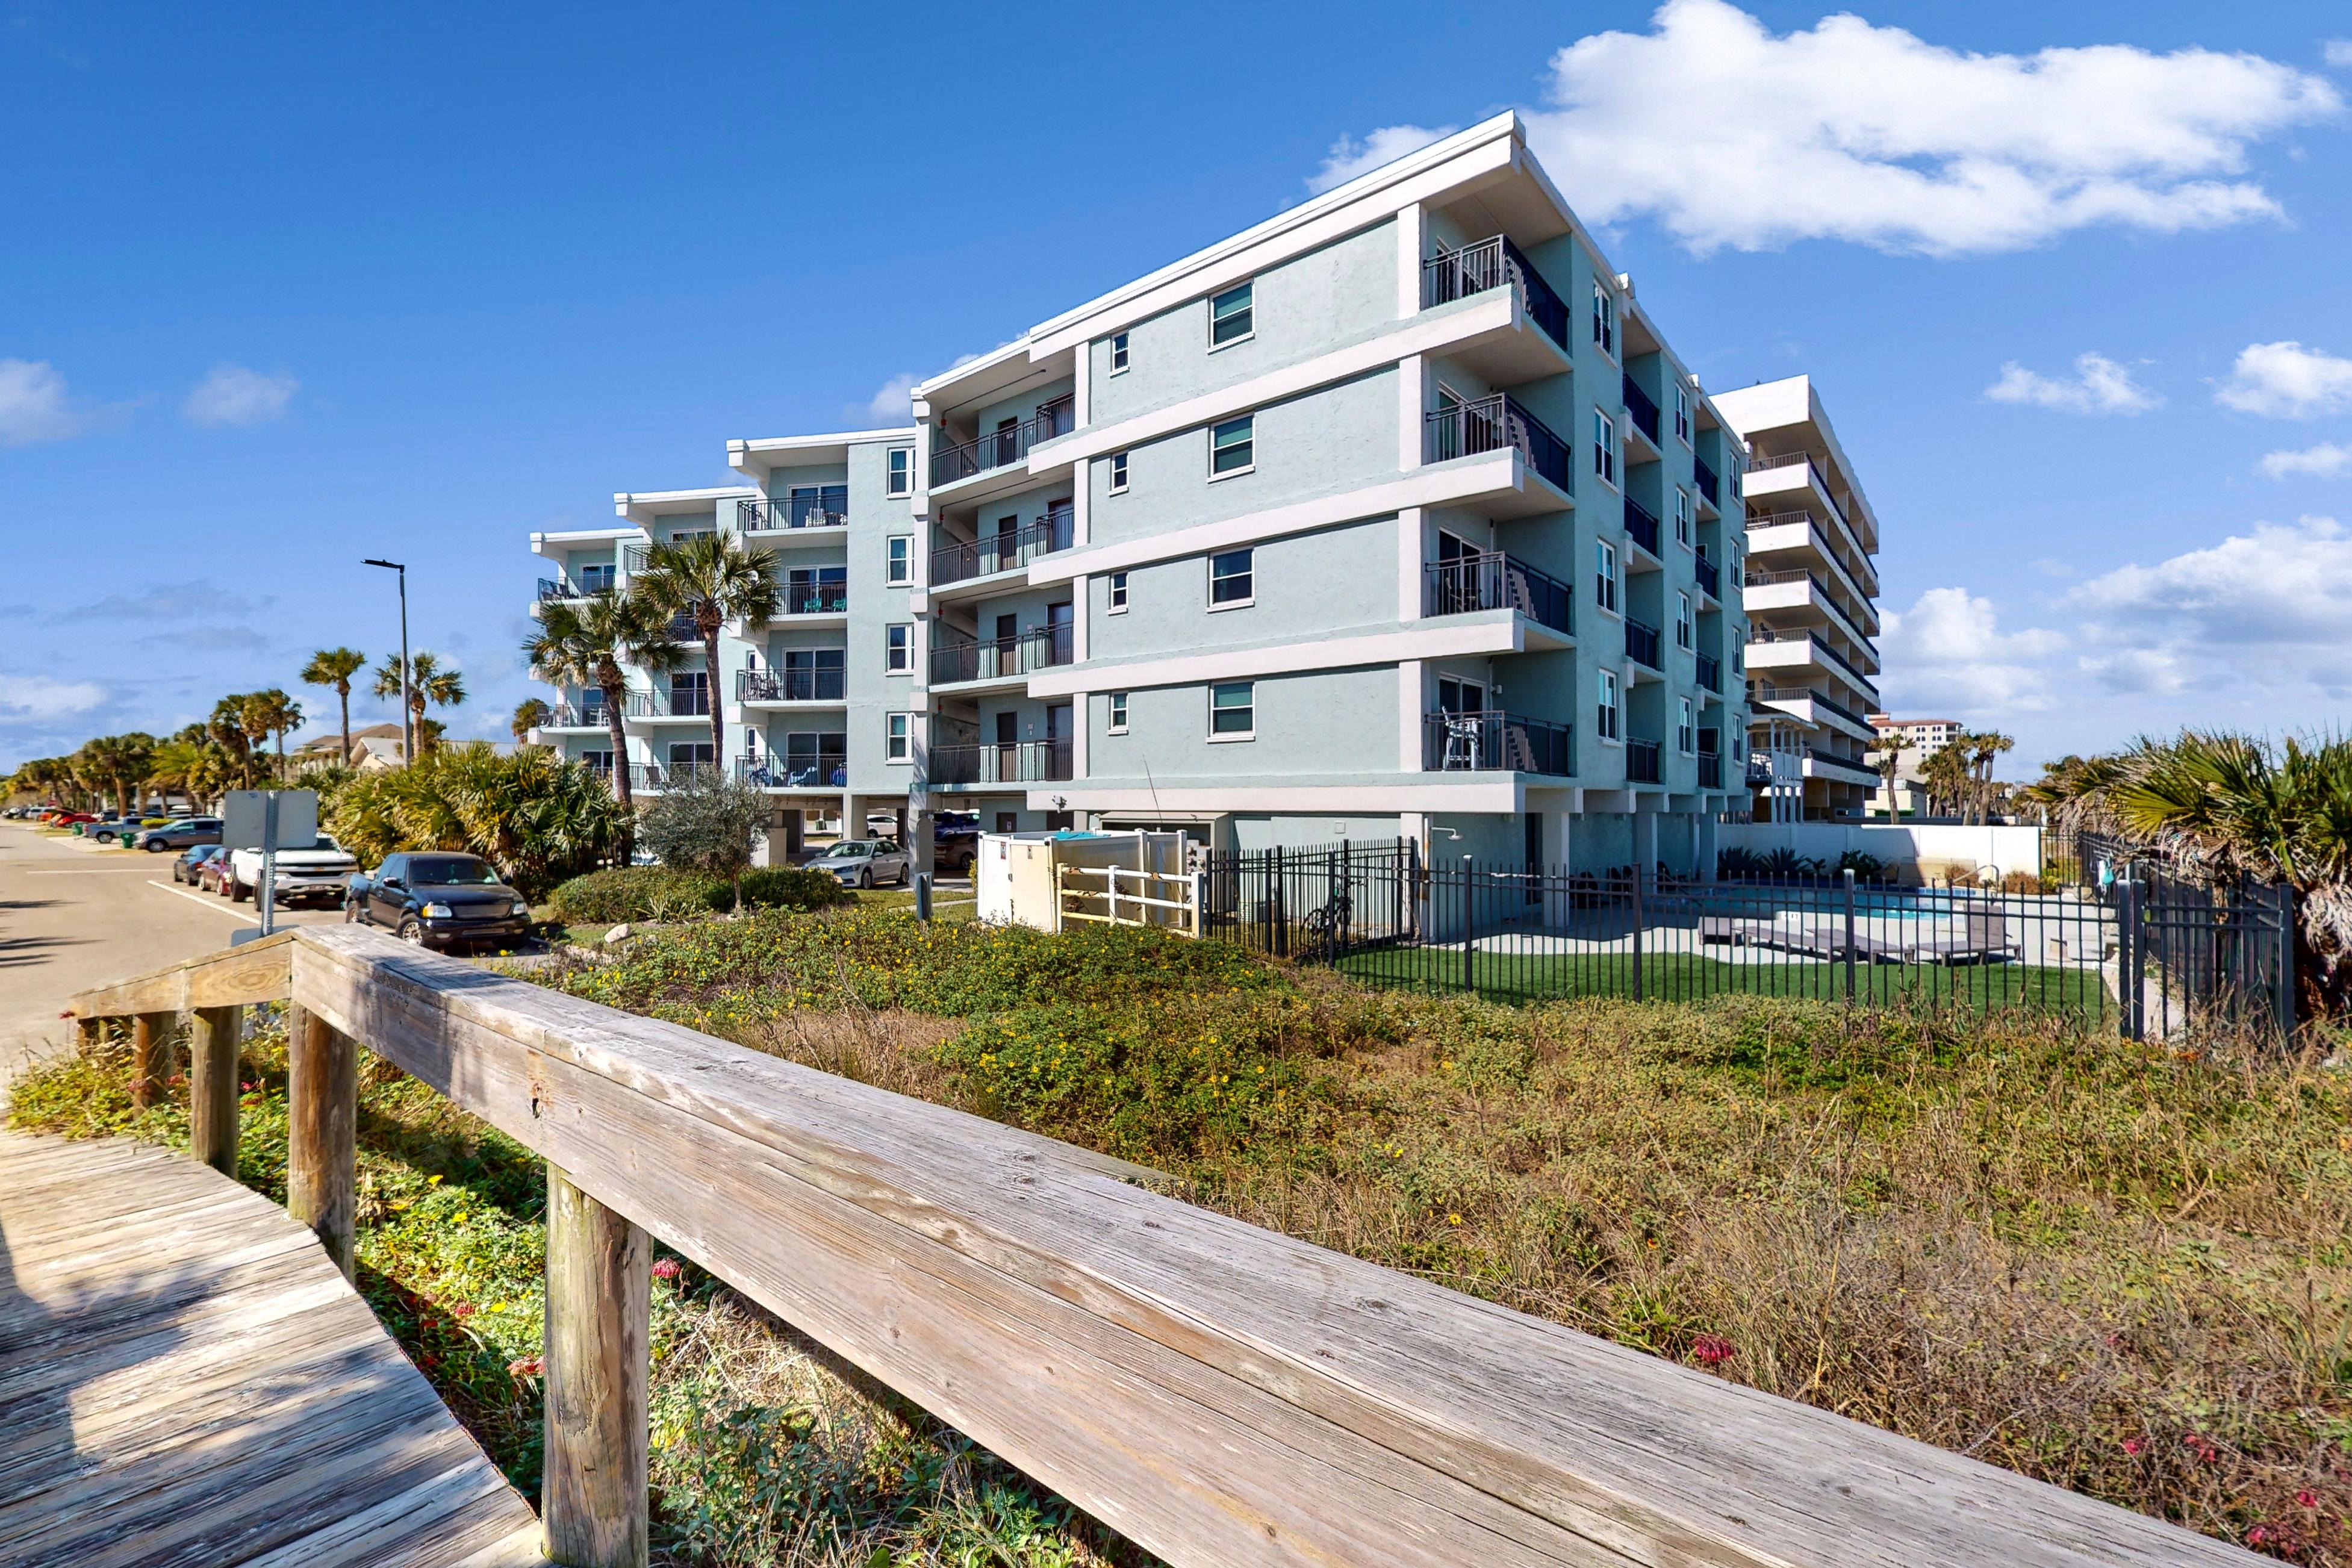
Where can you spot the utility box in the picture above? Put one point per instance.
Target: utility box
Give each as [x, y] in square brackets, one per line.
[1049, 879]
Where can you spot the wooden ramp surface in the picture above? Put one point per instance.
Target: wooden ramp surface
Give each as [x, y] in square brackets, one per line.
[185, 1378]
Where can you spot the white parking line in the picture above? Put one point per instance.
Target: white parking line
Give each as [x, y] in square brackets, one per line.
[210, 903]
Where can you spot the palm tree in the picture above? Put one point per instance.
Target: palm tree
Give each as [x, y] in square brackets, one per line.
[428, 682]
[1888, 762]
[335, 667]
[226, 728]
[713, 580]
[269, 715]
[176, 765]
[117, 763]
[589, 641]
[529, 715]
[1946, 774]
[1982, 747]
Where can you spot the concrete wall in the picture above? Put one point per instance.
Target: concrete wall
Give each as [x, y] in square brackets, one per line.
[1321, 724]
[2009, 847]
[1304, 585]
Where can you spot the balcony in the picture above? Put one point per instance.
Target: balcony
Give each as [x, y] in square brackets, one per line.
[1001, 658]
[1710, 672]
[682, 628]
[1710, 577]
[1760, 695]
[1494, 580]
[1815, 650]
[1844, 770]
[1005, 762]
[1641, 525]
[1490, 264]
[588, 715]
[826, 769]
[1642, 643]
[1641, 762]
[551, 589]
[1002, 449]
[652, 778]
[677, 702]
[790, 684]
[1495, 742]
[1639, 407]
[1710, 770]
[1816, 596]
[1790, 470]
[1004, 550]
[1860, 578]
[1709, 486]
[823, 507]
[1494, 424]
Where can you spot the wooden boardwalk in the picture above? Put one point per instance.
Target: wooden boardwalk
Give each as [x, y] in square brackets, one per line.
[185, 1378]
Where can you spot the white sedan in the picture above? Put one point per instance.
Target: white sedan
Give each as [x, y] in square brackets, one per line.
[863, 862]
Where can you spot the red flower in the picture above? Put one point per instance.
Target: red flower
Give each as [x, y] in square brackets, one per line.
[668, 1269]
[1712, 1350]
[525, 1366]
[2306, 1499]
[2261, 1535]
[462, 1309]
[2133, 1444]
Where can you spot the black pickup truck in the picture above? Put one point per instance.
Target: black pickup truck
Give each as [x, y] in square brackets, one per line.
[439, 899]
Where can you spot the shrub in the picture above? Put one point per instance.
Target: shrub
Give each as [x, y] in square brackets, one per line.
[656, 892]
[1866, 867]
[793, 888]
[708, 826]
[2021, 883]
[535, 816]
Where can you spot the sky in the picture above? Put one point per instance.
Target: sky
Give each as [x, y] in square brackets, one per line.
[282, 287]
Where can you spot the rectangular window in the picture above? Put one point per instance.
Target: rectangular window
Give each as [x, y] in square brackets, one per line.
[1682, 517]
[1604, 575]
[902, 471]
[1605, 319]
[1233, 447]
[1681, 620]
[1119, 593]
[817, 506]
[1119, 473]
[1230, 317]
[902, 560]
[1232, 710]
[1682, 410]
[897, 745]
[1231, 578]
[1119, 354]
[598, 578]
[1604, 447]
[1119, 712]
[813, 757]
[1685, 726]
[1608, 705]
[897, 649]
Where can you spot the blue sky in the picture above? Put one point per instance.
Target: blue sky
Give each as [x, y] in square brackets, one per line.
[282, 287]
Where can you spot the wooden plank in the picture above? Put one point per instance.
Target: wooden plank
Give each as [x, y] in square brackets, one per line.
[1220, 1393]
[150, 1056]
[599, 1316]
[213, 1097]
[256, 971]
[322, 1108]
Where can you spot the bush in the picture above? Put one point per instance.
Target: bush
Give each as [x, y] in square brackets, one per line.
[535, 816]
[656, 892]
[2021, 883]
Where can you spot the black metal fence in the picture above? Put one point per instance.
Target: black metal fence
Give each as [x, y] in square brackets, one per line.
[2152, 958]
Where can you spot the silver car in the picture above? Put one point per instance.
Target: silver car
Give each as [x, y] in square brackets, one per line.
[864, 862]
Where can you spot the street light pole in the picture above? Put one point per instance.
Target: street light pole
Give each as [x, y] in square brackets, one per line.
[407, 719]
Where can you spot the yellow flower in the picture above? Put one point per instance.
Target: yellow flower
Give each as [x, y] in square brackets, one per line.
[1453, 1219]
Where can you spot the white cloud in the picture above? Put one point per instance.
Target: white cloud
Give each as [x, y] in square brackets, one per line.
[37, 697]
[1948, 653]
[890, 404]
[2099, 385]
[2328, 460]
[1353, 156]
[2338, 52]
[34, 405]
[1729, 134]
[2286, 381]
[234, 395]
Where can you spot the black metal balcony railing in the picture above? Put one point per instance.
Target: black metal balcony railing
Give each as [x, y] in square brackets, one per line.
[552, 588]
[1709, 576]
[1823, 649]
[1710, 672]
[1641, 762]
[1709, 485]
[789, 685]
[776, 514]
[806, 598]
[998, 448]
[655, 777]
[1814, 471]
[1710, 770]
[1495, 742]
[1642, 643]
[1861, 579]
[825, 771]
[635, 558]
[998, 659]
[1003, 551]
[587, 715]
[1494, 580]
[1641, 525]
[677, 702]
[1494, 263]
[1831, 759]
[1003, 762]
[1641, 405]
[1491, 424]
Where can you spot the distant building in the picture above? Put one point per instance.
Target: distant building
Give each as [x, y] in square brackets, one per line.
[1926, 736]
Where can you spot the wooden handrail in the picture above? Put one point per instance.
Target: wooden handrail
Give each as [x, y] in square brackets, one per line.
[1217, 1393]
[232, 977]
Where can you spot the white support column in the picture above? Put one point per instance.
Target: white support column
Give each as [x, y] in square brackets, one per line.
[1413, 229]
[1082, 398]
[1082, 499]
[1412, 551]
[1080, 620]
[1410, 697]
[1412, 403]
[1081, 728]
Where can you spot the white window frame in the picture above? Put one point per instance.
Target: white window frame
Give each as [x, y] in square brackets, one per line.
[1686, 728]
[1604, 447]
[898, 738]
[1115, 591]
[1249, 734]
[1682, 414]
[1604, 318]
[1249, 423]
[897, 570]
[1605, 577]
[1116, 724]
[1119, 473]
[1685, 627]
[899, 475]
[1682, 517]
[1248, 572]
[1119, 354]
[1609, 710]
[898, 657]
[1247, 290]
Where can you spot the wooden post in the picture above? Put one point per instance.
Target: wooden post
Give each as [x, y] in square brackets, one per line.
[213, 1088]
[599, 1305]
[88, 1034]
[322, 1091]
[150, 1056]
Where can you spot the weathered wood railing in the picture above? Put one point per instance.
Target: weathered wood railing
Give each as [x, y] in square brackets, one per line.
[1221, 1394]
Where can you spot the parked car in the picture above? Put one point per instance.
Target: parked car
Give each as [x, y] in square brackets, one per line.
[184, 866]
[440, 901]
[73, 819]
[955, 842]
[863, 862]
[181, 835]
[318, 874]
[210, 875]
